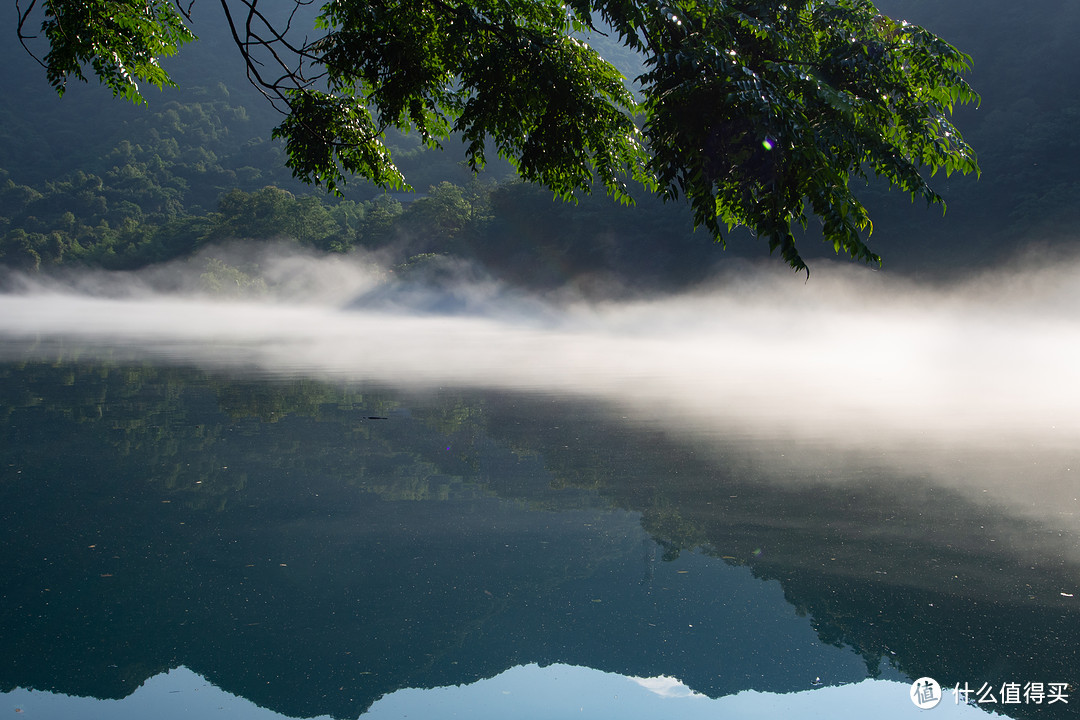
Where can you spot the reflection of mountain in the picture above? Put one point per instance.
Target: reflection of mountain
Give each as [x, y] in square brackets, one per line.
[312, 548]
[902, 571]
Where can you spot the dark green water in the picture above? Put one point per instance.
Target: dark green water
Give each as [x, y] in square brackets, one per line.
[312, 546]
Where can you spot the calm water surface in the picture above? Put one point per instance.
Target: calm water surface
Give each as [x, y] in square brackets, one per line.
[192, 528]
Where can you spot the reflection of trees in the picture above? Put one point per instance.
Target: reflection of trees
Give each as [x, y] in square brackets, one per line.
[898, 570]
[256, 533]
[209, 517]
[272, 401]
[180, 429]
[675, 533]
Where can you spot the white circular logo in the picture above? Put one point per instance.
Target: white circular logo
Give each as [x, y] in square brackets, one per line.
[925, 693]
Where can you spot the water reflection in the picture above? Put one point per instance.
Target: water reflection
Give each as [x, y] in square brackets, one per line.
[313, 504]
[312, 546]
[521, 692]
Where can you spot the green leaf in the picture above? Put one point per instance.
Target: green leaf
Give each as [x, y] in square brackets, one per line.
[757, 113]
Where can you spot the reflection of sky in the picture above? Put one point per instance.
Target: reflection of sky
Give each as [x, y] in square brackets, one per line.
[523, 692]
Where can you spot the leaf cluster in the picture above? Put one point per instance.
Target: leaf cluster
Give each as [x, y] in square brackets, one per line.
[758, 113]
[507, 75]
[121, 40]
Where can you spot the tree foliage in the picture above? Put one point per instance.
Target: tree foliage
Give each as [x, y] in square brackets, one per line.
[759, 113]
[121, 40]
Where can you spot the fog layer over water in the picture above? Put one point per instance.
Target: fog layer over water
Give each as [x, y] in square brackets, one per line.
[974, 385]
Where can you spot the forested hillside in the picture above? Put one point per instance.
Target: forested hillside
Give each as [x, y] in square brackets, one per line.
[89, 180]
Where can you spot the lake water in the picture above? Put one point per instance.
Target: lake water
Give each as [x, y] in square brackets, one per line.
[754, 502]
